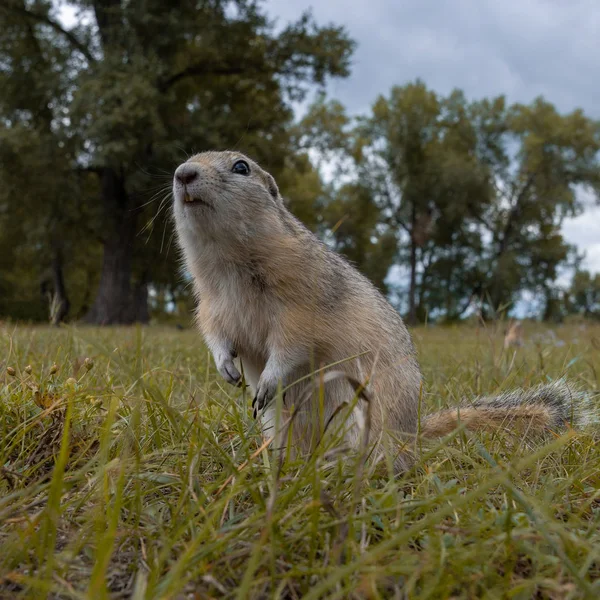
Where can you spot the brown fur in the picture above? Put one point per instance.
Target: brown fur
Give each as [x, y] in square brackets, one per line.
[445, 422]
[513, 335]
[276, 302]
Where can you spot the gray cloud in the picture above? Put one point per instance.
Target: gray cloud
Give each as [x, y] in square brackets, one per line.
[519, 48]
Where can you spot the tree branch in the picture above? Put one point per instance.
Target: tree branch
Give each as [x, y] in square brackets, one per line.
[513, 213]
[56, 26]
[399, 221]
[200, 69]
[394, 219]
[462, 309]
[90, 169]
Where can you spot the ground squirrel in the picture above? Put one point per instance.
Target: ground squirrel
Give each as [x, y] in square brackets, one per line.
[513, 336]
[276, 303]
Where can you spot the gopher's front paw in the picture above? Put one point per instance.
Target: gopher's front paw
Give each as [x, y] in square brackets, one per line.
[264, 394]
[228, 370]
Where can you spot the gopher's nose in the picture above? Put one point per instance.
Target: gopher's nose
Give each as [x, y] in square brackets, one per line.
[186, 173]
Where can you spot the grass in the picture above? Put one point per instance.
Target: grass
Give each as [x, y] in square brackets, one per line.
[138, 473]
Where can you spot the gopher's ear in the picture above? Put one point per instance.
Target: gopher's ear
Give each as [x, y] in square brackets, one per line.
[272, 186]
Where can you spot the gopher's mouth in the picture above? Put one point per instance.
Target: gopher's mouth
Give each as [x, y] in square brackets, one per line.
[189, 200]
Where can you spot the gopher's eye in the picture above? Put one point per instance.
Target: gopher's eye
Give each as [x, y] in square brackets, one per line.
[241, 167]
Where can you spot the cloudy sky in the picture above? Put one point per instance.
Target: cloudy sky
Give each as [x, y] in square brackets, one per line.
[520, 48]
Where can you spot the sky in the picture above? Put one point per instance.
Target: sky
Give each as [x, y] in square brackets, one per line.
[519, 48]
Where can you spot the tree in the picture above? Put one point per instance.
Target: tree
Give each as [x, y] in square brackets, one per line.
[534, 160]
[357, 232]
[584, 295]
[418, 157]
[40, 192]
[540, 160]
[473, 194]
[344, 211]
[140, 80]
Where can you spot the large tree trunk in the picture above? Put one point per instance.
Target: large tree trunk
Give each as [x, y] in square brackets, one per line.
[61, 302]
[53, 287]
[141, 314]
[552, 307]
[115, 302]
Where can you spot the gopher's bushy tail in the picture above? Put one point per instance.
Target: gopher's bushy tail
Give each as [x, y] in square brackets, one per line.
[549, 407]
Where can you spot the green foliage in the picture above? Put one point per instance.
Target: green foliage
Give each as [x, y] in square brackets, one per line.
[471, 194]
[302, 188]
[140, 474]
[418, 157]
[44, 219]
[584, 295]
[555, 154]
[324, 128]
[120, 94]
[355, 224]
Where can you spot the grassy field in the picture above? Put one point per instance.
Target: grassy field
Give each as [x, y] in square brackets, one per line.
[128, 469]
